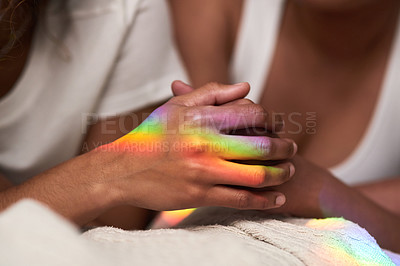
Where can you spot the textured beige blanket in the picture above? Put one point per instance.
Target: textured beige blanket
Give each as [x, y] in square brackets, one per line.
[31, 234]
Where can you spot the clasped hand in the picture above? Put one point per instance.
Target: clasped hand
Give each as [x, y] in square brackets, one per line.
[182, 155]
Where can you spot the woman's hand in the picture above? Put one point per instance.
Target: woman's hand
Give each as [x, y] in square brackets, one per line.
[179, 157]
[312, 192]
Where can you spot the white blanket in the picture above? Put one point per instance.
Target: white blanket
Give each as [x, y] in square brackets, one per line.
[31, 234]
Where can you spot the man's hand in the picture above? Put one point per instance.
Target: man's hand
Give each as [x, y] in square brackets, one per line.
[179, 157]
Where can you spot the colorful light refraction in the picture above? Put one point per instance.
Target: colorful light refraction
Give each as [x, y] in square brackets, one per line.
[195, 136]
[151, 139]
[168, 219]
[346, 250]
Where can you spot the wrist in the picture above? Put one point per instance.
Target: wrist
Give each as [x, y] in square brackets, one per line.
[336, 198]
[106, 170]
[90, 190]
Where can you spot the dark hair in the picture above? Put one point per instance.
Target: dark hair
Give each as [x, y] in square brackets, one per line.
[16, 17]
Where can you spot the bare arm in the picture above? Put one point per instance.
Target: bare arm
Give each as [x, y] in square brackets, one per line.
[103, 132]
[73, 188]
[205, 32]
[106, 131]
[384, 193]
[382, 224]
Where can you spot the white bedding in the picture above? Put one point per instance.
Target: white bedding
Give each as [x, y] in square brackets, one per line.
[31, 234]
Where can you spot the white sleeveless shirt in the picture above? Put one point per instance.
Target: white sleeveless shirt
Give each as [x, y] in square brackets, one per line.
[121, 59]
[377, 155]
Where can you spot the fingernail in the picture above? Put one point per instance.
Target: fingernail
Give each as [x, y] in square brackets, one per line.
[187, 84]
[239, 84]
[292, 170]
[280, 200]
[294, 148]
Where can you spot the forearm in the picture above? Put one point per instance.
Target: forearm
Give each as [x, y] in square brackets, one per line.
[384, 193]
[73, 189]
[205, 61]
[341, 200]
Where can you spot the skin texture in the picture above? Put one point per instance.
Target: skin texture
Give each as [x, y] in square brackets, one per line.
[104, 132]
[324, 32]
[118, 174]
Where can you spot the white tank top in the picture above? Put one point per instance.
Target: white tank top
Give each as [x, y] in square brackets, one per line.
[377, 155]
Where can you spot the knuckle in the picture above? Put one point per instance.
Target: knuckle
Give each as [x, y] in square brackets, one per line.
[259, 113]
[211, 85]
[243, 200]
[173, 100]
[191, 112]
[263, 146]
[265, 203]
[279, 122]
[259, 109]
[210, 88]
[193, 116]
[284, 174]
[258, 177]
[204, 112]
[245, 102]
[195, 193]
[256, 109]
[272, 148]
[194, 171]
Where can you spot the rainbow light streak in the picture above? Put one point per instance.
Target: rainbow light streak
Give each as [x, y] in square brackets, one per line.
[150, 139]
[146, 139]
[168, 219]
[342, 250]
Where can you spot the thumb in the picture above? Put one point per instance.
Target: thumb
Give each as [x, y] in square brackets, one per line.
[214, 94]
[180, 88]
